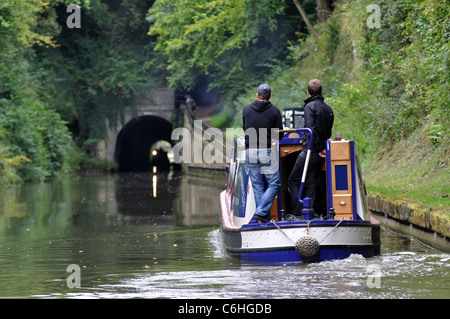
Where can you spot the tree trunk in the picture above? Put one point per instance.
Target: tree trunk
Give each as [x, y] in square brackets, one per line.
[323, 10]
[306, 19]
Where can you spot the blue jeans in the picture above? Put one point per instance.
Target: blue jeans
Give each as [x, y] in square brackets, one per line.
[263, 170]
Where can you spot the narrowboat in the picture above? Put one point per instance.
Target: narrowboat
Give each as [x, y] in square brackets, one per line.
[337, 226]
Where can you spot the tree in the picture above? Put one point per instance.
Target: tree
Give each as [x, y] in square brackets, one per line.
[227, 40]
[34, 139]
[306, 19]
[102, 67]
[323, 9]
[18, 22]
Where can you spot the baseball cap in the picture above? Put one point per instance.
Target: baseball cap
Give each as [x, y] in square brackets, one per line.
[264, 89]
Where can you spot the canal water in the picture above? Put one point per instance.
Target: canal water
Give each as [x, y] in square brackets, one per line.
[156, 236]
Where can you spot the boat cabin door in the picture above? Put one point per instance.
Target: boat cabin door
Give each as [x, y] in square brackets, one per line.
[341, 179]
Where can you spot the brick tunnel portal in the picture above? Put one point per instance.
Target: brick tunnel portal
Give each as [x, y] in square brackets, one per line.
[137, 140]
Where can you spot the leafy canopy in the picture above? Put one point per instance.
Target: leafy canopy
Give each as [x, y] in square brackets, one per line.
[212, 37]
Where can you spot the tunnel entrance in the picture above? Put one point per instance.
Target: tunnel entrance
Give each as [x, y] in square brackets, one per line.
[137, 142]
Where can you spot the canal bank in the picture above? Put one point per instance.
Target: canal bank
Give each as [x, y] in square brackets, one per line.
[403, 215]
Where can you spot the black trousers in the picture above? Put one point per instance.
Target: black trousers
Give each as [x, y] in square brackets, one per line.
[311, 181]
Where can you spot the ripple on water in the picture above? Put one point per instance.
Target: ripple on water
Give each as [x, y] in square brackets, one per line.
[401, 275]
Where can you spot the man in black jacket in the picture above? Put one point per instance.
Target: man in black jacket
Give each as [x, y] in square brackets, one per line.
[260, 121]
[319, 118]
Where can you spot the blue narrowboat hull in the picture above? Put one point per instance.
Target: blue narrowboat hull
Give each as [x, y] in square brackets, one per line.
[291, 256]
[291, 240]
[275, 242]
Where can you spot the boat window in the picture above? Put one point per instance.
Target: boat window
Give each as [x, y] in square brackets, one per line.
[341, 177]
[240, 195]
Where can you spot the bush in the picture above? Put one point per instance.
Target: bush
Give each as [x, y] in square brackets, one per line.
[35, 135]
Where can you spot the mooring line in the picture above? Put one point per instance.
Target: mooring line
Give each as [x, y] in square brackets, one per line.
[273, 222]
[342, 219]
[309, 222]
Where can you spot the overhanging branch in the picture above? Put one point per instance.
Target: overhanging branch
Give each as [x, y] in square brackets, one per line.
[306, 19]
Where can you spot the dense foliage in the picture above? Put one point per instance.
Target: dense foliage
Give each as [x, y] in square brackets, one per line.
[56, 80]
[388, 86]
[101, 67]
[384, 83]
[234, 43]
[33, 138]
[60, 86]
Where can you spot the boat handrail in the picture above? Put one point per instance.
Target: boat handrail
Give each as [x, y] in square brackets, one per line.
[308, 154]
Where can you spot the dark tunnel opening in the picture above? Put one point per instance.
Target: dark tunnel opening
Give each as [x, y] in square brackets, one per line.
[133, 151]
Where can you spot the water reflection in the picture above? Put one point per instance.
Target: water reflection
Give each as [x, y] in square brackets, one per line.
[109, 225]
[199, 200]
[128, 197]
[138, 194]
[187, 200]
[156, 235]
